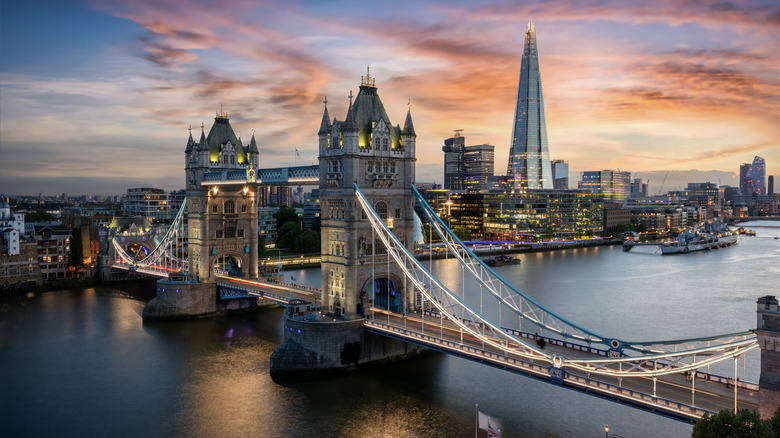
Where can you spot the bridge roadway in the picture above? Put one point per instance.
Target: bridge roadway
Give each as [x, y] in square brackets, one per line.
[673, 396]
[270, 289]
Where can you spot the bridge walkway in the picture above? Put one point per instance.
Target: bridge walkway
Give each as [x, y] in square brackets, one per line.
[673, 395]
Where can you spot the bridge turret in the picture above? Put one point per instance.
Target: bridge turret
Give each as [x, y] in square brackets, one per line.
[325, 129]
[768, 334]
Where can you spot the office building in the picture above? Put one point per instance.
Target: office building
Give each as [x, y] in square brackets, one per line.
[529, 158]
[454, 162]
[479, 166]
[613, 184]
[560, 173]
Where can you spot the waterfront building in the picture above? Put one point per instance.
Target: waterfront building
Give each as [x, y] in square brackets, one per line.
[613, 184]
[454, 162]
[266, 223]
[704, 195]
[18, 253]
[560, 174]
[11, 228]
[755, 178]
[614, 215]
[479, 166]
[529, 158]
[770, 185]
[527, 215]
[458, 209]
[53, 245]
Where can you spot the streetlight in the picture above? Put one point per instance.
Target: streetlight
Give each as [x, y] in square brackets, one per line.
[606, 431]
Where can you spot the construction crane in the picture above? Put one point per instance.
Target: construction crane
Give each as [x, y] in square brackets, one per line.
[662, 183]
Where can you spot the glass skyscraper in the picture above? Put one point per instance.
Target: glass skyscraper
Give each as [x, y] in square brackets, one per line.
[529, 159]
[756, 177]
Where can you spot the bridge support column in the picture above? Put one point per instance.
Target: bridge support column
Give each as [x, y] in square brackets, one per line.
[326, 346]
[181, 299]
[768, 333]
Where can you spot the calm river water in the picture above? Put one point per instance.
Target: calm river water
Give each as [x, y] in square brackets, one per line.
[81, 362]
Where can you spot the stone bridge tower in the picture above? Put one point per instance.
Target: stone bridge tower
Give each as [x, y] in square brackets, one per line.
[367, 149]
[221, 196]
[768, 333]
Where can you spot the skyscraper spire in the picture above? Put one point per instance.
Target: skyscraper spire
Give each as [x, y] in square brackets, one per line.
[529, 157]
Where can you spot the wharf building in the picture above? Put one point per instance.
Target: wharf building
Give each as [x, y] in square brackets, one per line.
[19, 267]
[523, 215]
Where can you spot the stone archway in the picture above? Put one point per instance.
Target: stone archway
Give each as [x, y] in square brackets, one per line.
[232, 265]
[387, 291]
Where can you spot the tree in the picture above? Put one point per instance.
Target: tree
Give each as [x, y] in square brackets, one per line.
[76, 252]
[549, 233]
[287, 233]
[38, 216]
[260, 245]
[307, 242]
[316, 223]
[745, 424]
[463, 233]
[285, 214]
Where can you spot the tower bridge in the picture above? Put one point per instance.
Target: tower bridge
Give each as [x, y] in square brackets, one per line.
[377, 302]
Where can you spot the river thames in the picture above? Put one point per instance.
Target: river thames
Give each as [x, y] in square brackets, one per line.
[81, 362]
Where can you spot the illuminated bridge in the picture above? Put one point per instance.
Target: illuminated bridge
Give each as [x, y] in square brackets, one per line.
[499, 326]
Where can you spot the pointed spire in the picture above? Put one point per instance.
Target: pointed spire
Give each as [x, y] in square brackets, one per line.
[253, 144]
[202, 145]
[350, 125]
[408, 125]
[325, 125]
[190, 143]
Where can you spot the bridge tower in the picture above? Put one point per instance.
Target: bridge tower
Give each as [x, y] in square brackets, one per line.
[220, 174]
[368, 150]
[768, 334]
[221, 195]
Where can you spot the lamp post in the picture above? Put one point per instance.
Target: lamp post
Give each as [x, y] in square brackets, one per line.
[606, 431]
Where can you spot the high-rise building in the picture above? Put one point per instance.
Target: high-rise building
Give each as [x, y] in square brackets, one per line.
[454, 162]
[560, 174]
[755, 178]
[529, 158]
[479, 161]
[770, 185]
[638, 188]
[613, 184]
[743, 170]
[467, 167]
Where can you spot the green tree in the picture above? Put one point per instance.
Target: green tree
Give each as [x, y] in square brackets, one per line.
[287, 233]
[260, 245]
[308, 242]
[463, 233]
[285, 214]
[316, 224]
[76, 252]
[549, 233]
[745, 424]
[38, 216]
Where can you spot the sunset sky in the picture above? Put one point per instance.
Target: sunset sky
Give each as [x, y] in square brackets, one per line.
[97, 97]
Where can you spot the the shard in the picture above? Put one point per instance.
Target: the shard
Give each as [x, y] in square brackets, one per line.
[529, 158]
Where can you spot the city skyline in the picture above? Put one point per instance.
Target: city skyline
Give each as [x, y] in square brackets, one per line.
[100, 96]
